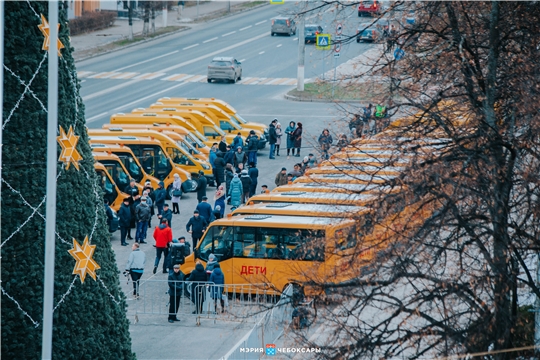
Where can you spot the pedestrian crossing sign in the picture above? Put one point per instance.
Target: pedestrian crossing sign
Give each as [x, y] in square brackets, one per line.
[277, 2]
[323, 41]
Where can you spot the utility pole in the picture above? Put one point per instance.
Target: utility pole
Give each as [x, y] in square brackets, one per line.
[164, 14]
[301, 54]
[130, 18]
[50, 204]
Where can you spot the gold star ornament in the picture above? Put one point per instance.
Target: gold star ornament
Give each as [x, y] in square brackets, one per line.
[68, 142]
[83, 255]
[45, 30]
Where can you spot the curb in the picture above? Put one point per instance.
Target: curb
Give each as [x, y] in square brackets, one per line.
[295, 98]
[169, 33]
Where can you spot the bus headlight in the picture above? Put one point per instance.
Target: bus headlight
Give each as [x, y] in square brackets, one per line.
[205, 167]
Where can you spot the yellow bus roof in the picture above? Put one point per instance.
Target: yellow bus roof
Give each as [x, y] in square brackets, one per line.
[304, 210]
[345, 178]
[310, 222]
[352, 169]
[314, 198]
[328, 187]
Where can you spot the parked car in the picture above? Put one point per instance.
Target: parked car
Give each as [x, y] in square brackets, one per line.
[311, 31]
[224, 68]
[283, 25]
[369, 8]
[370, 35]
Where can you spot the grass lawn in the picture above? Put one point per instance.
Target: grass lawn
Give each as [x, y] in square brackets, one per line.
[342, 91]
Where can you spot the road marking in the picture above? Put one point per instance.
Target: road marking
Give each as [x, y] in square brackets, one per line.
[262, 52]
[197, 78]
[149, 76]
[294, 39]
[280, 81]
[174, 77]
[81, 74]
[127, 75]
[98, 75]
[190, 46]
[209, 55]
[279, 45]
[272, 81]
[260, 22]
[262, 82]
[110, 75]
[108, 90]
[145, 61]
[243, 81]
[290, 82]
[249, 80]
[148, 97]
[189, 78]
[227, 34]
[83, 81]
[245, 28]
[212, 39]
[96, 117]
[242, 60]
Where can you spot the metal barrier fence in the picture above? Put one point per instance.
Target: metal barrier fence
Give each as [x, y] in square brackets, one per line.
[266, 331]
[231, 302]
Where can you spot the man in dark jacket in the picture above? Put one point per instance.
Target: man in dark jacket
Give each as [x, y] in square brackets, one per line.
[198, 224]
[238, 141]
[229, 156]
[216, 291]
[125, 220]
[222, 146]
[205, 210]
[108, 212]
[201, 187]
[219, 168]
[131, 188]
[160, 195]
[253, 173]
[198, 290]
[240, 157]
[272, 139]
[252, 147]
[176, 287]
[166, 214]
[142, 214]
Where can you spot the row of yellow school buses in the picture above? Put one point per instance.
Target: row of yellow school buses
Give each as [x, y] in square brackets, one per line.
[171, 137]
[317, 229]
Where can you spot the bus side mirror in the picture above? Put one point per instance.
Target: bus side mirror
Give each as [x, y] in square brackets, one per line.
[229, 130]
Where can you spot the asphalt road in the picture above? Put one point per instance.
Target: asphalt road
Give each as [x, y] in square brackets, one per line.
[139, 75]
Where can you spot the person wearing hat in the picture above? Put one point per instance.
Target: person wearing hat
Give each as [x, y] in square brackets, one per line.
[237, 141]
[142, 215]
[201, 187]
[166, 214]
[216, 291]
[162, 236]
[176, 286]
[135, 200]
[253, 173]
[205, 210]
[272, 139]
[132, 187]
[240, 157]
[196, 226]
[212, 262]
[281, 177]
[246, 185]
[124, 215]
[161, 196]
[297, 135]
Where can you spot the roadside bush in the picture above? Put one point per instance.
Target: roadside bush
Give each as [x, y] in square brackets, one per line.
[91, 22]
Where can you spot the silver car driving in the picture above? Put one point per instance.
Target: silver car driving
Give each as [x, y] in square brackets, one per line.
[283, 25]
[224, 68]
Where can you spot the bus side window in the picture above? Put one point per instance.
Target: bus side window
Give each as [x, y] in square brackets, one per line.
[244, 241]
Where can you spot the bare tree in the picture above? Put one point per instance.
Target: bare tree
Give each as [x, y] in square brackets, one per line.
[456, 245]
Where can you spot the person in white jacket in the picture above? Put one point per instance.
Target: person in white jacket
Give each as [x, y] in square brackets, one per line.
[135, 267]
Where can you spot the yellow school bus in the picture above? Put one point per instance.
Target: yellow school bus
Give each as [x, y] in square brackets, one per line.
[116, 169]
[219, 118]
[129, 160]
[202, 123]
[353, 169]
[178, 155]
[278, 250]
[329, 187]
[153, 157]
[344, 178]
[110, 190]
[186, 142]
[305, 197]
[223, 106]
[296, 209]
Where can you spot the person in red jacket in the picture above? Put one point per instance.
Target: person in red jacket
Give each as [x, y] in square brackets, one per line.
[162, 236]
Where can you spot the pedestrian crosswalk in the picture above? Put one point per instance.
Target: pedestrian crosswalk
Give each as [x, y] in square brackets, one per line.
[180, 78]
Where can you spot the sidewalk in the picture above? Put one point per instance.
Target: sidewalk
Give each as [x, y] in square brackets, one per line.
[106, 40]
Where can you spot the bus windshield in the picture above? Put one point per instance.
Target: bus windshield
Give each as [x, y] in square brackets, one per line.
[235, 122]
[261, 242]
[201, 136]
[188, 147]
[131, 165]
[195, 140]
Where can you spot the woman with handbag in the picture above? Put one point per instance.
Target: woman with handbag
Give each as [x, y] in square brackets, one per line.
[176, 194]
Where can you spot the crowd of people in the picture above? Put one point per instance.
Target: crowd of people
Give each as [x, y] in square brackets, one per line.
[368, 121]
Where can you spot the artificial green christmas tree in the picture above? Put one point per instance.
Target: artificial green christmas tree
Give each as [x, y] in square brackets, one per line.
[89, 316]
